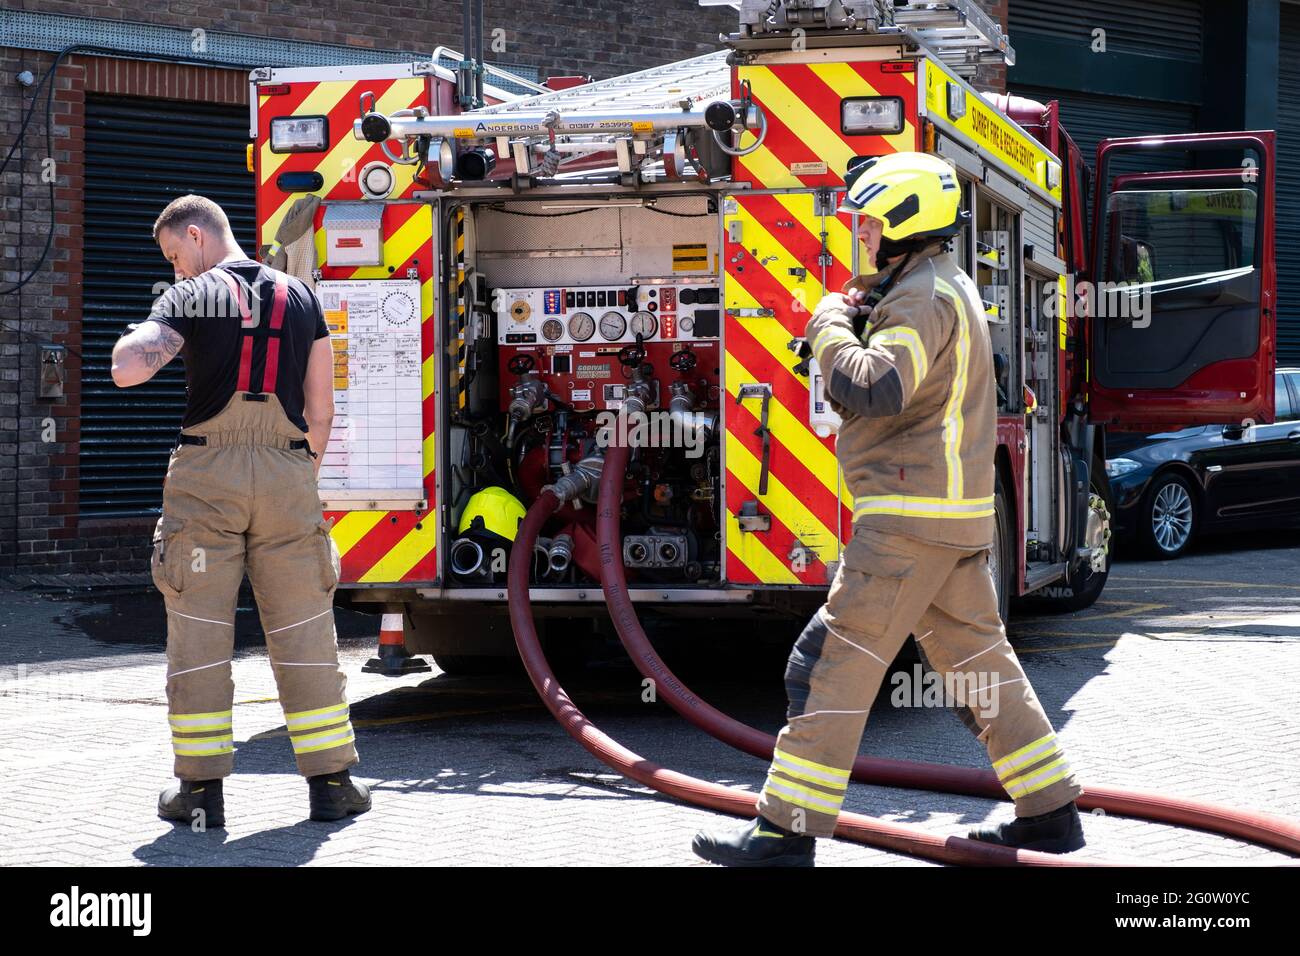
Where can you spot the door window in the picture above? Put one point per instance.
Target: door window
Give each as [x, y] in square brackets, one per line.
[1176, 240]
[1284, 408]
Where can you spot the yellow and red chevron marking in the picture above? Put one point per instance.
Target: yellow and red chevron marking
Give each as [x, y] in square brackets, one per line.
[802, 104]
[397, 546]
[340, 165]
[780, 234]
[375, 546]
[779, 270]
[462, 308]
[385, 547]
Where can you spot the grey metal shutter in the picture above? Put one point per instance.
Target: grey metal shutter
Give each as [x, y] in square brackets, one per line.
[140, 155]
[1159, 29]
[1090, 119]
[1288, 188]
[1170, 28]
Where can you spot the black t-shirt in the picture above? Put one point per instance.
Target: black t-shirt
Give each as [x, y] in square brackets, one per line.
[204, 313]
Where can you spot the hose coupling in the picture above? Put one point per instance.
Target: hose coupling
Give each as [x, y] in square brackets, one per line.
[581, 481]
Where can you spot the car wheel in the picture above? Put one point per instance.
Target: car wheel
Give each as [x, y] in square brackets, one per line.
[1169, 519]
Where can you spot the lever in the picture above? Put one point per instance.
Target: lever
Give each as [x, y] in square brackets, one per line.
[762, 390]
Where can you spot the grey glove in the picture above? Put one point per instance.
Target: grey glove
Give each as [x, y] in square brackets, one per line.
[296, 224]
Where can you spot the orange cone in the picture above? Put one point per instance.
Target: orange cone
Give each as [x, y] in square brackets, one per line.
[394, 659]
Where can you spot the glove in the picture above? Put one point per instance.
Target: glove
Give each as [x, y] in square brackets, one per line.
[833, 310]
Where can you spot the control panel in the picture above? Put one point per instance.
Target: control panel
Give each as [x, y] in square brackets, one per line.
[595, 376]
[657, 312]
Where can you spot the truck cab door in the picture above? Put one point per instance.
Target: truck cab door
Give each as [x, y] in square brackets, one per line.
[1180, 307]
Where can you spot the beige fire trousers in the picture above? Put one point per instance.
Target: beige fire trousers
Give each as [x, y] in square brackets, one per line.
[247, 502]
[888, 586]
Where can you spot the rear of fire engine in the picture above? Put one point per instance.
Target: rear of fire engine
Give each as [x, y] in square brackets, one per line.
[500, 283]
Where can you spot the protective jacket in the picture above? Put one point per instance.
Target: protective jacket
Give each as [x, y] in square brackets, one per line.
[917, 395]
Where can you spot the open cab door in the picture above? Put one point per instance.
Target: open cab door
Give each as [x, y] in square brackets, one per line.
[1180, 313]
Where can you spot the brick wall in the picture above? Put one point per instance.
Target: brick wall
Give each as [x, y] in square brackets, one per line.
[994, 77]
[39, 527]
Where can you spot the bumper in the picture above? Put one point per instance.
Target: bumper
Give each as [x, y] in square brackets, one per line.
[1127, 492]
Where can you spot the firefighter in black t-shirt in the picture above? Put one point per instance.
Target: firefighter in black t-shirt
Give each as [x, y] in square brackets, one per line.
[240, 496]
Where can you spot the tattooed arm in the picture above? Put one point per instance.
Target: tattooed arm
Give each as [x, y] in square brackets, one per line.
[140, 353]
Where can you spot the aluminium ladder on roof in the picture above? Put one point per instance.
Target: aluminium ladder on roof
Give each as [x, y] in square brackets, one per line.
[957, 32]
[660, 87]
[661, 100]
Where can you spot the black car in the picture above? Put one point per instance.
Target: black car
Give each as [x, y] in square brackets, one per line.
[1169, 487]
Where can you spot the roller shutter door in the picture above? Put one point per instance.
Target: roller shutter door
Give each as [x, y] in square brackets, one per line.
[1288, 188]
[141, 154]
[1090, 119]
[1169, 28]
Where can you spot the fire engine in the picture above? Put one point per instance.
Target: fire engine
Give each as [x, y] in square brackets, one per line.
[501, 271]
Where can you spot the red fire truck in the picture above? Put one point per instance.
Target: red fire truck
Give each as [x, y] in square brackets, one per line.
[498, 279]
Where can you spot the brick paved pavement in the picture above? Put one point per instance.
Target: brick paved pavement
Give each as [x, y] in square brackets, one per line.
[1180, 680]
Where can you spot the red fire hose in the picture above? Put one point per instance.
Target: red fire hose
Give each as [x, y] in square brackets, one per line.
[890, 836]
[1261, 828]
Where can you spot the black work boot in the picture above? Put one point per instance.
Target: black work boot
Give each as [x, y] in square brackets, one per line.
[756, 843]
[1058, 831]
[180, 801]
[336, 795]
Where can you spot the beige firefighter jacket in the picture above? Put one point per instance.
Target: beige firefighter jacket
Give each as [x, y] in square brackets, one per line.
[918, 402]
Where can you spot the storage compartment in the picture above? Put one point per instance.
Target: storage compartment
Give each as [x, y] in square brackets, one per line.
[579, 323]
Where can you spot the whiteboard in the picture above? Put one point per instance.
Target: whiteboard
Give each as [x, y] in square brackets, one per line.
[376, 448]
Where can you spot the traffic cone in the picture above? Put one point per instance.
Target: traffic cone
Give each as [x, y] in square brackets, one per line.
[394, 659]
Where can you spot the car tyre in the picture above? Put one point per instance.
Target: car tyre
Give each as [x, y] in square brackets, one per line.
[1169, 517]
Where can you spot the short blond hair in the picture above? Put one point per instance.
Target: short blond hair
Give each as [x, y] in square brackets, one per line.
[192, 210]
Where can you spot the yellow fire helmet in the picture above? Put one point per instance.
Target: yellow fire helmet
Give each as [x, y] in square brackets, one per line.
[915, 195]
[492, 509]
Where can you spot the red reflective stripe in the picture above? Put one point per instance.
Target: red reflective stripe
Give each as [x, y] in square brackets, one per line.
[273, 343]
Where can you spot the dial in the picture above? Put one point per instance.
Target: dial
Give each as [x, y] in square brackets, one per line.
[581, 326]
[644, 324]
[552, 329]
[612, 326]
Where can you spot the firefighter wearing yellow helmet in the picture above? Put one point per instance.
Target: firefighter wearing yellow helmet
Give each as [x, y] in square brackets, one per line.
[907, 362]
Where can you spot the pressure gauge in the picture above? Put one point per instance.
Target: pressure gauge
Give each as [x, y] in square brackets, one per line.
[581, 326]
[612, 326]
[644, 324]
[552, 329]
